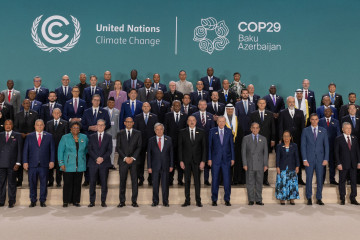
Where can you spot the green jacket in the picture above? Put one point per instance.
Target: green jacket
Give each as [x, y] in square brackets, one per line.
[67, 153]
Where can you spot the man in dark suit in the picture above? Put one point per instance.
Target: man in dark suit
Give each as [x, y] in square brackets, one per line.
[75, 107]
[293, 120]
[107, 85]
[130, 108]
[266, 122]
[205, 121]
[159, 106]
[91, 91]
[344, 108]
[192, 157]
[99, 150]
[353, 120]
[160, 163]
[24, 124]
[335, 98]
[82, 84]
[172, 94]
[34, 104]
[47, 109]
[347, 157]
[133, 82]
[156, 84]
[63, 92]
[6, 111]
[243, 110]
[199, 94]
[174, 122]
[211, 83]
[146, 93]
[128, 146]
[326, 103]
[11, 144]
[38, 158]
[252, 96]
[145, 123]
[41, 92]
[215, 107]
[57, 128]
[186, 107]
[221, 158]
[226, 95]
[332, 127]
[309, 96]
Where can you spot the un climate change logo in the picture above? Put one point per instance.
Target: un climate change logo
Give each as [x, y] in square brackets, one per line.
[201, 32]
[57, 38]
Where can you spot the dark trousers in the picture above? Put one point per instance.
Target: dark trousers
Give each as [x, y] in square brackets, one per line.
[206, 172]
[301, 164]
[141, 164]
[20, 174]
[7, 175]
[342, 183]
[124, 169]
[162, 175]
[331, 167]
[318, 168]
[36, 173]
[194, 169]
[176, 167]
[95, 172]
[215, 172]
[72, 187]
[58, 173]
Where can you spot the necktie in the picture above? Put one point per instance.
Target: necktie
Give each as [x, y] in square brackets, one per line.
[51, 109]
[192, 136]
[65, 92]
[274, 101]
[95, 115]
[75, 105]
[186, 109]
[327, 122]
[211, 81]
[203, 119]
[147, 95]
[26, 116]
[156, 86]
[32, 105]
[332, 98]
[245, 107]
[37, 91]
[177, 118]
[7, 137]
[39, 139]
[255, 139]
[146, 119]
[215, 108]
[159, 144]
[221, 136]
[132, 108]
[133, 83]
[262, 116]
[9, 96]
[129, 135]
[56, 124]
[100, 140]
[226, 95]
[353, 121]
[159, 104]
[200, 94]
[349, 142]
[306, 94]
[92, 91]
[315, 134]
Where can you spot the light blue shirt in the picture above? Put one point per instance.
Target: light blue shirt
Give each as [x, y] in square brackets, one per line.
[255, 136]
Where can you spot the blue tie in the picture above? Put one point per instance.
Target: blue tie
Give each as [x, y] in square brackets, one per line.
[353, 121]
[132, 108]
[95, 115]
[146, 119]
[211, 81]
[221, 136]
[245, 107]
[226, 97]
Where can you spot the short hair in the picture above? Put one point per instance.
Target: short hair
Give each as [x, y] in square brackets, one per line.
[202, 100]
[186, 94]
[57, 109]
[133, 89]
[332, 84]
[254, 124]
[351, 104]
[39, 120]
[37, 77]
[75, 123]
[244, 89]
[313, 115]
[101, 120]
[172, 82]
[95, 95]
[93, 76]
[176, 101]
[344, 124]
[262, 99]
[182, 71]
[158, 124]
[352, 93]
[75, 87]
[82, 74]
[236, 73]
[221, 117]
[117, 81]
[9, 120]
[52, 92]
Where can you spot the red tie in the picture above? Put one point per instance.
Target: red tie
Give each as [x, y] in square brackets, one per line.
[9, 96]
[159, 144]
[349, 143]
[100, 140]
[7, 137]
[327, 122]
[39, 139]
[306, 94]
[133, 83]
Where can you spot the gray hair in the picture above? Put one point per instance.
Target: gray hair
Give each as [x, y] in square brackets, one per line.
[101, 120]
[37, 77]
[96, 95]
[158, 124]
[82, 74]
[39, 120]
[57, 109]
[255, 123]
[345, 123]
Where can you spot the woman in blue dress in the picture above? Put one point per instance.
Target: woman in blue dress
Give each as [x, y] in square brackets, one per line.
[287, 167]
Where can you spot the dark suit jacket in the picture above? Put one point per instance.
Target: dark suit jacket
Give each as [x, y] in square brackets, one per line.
[23, 126]
[142, 95]
[210, 123]
[147, 130]
[355, 130]
[45, 111]
[267, 127]
[81, 88]
[243, 118]
[127, 85]
[195, 97]
[104, 151]
[171, 128]
[169, 97]
[311, 101]
[88, 119]
[36, 107]
[87, 96]
[279, 105]
[191, 152]
[287, 159]
[231, 98]
[126, 111]
[191, 109]
[220, 110]
[161, 87]
[344, 110]
[160, 160]
[320, 111]
[61, 98]
[39, 156]
[42, 95]
[126, 148]
[349, 159]
[69, 111]
[7, 112]
[294, 125]
[106, 89]
[216, 84]
[165, 108]
[10, 151]
[61, 130]
[333, 130]
[338, 100]
[255, 100]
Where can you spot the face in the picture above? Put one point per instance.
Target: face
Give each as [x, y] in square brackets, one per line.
[2, 97]
[156, 78]
[10, 84]
[65, 80]
[37, 82]
[272, 90]
[215, 96]
[237, 77]
[255, 129]
[230, 111]
[111, 104]
[291, 102]
[93, 81]
[332, 88]
[56, 114]
[159, 95]
[186, 100]
[177, 106]
[191, 121]
[146, 107]
[172, 86]
[8, 126]
[182, 75]
[32, 95]
[299, 95]
[82, 78]
[202, 105]
[210, 71]
[306, 84]
[107, 75]
[26, 104]
[133, 74]
[129, 123]
[117, 85]
[75, 92]
[159, 131]
[100, 126]
[352, 110]
[347, 129]
[147, 83]
[327, 112]
[261, 104]
[286, 137]
[226, 84]
[52, 97]
[352, 98]
[132, 95]
[39, 126]
[251, 89]
[95, 102]
[314, 121]
[221, 122]
[326, 101]
[200, 85]
[244, 94]
[75, 129]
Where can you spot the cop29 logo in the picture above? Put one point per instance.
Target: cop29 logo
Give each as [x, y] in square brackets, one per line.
[56, 41]
[207, 26]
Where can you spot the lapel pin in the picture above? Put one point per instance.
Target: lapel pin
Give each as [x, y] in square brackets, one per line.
[82, 140]
[196, 132]
[100, 112]
[165, 139]
[259, 140]
[127, 103]
[319, 131]
[12, 136]
[216, 133]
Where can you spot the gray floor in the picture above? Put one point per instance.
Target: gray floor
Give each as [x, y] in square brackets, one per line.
[236, 222]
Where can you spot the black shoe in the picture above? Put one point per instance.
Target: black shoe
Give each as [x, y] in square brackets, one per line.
[92, 204]
[180, 183]
[98, 184]
[154, 204]
[348, 182]
[32, 204]
[122, 204]
[185, 204]
[342, 202]
[42, 204]
[150, 183]
[227, 203]
[266, 183]
[234, 183]
[214, 204]
[282, 203]
[140, 183]
[171, 183]
[334, 182]
[292, 203]
[134, 204]
[309, 202]
[18, 184]
[319, 202]
[166, 205]
[2, 204]
[85, 184]
[77, 204]
[103, 204]
[65, 205]
[198, 204]
[58, 185]
[113, 167]
[259, 203]
[354, 202]
[50, 184]
[207, 183]
[301, 182]
[11, 205]
[251, 203]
